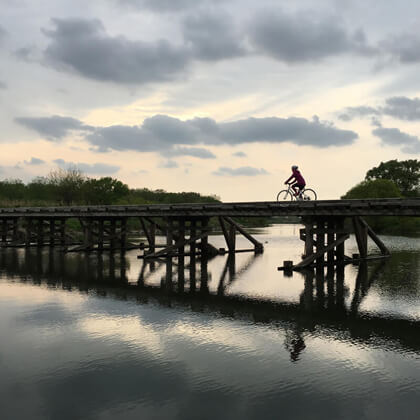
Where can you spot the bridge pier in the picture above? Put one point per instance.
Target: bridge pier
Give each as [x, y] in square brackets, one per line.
[193, 233]
[325, 237]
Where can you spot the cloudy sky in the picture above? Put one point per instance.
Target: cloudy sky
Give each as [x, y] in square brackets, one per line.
[214, 96]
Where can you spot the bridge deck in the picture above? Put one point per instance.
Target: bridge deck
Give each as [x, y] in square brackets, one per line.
[368, 207]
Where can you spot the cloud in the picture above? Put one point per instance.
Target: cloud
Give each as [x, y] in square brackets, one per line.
[395, 137]
[302, 37]
[239, 154]
[3, 34]
[3, 85]
[89, 168]
[169, 164]
[83, 47]
[53, 128]
[398, 107]
[163, 133]
[212, 36]
[404, 47]
[358, 111]
[242, 171]
[169, 135]
[35, 161]
[403, 108]
[163, 5]
[197, 152]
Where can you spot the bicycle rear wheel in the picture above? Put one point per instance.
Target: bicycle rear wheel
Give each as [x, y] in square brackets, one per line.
[309, 194]
[284, 195]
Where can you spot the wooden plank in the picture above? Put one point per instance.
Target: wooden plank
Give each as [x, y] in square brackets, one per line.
[170, 248]
[308, 260]
[375, 238]
[258, 245]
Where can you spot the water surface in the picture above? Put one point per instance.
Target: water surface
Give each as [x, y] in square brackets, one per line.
[100, 336]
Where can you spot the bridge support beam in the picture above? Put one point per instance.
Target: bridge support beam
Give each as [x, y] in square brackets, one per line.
[325, 238]
[188, 236]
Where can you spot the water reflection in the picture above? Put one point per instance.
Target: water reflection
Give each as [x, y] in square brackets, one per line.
[326, 302]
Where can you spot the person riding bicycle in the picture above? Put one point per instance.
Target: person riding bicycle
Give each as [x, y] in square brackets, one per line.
[298, 183]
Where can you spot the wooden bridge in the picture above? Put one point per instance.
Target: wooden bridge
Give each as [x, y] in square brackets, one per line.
[187, 227]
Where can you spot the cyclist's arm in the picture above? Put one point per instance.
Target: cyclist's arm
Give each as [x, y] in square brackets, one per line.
[288, 179]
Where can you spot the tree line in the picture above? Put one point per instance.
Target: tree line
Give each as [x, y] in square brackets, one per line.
[71, 187]
[391, 179]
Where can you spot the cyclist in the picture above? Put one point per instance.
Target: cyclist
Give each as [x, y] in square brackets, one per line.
[298, 183]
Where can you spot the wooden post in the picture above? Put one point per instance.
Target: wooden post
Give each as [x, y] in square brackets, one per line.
[152, 240]
[113, 234]
[169, 232]
[40, 233]
[330, 239]
[87, 234]
[63, 232]
[204, 275]
[309, 238]
[230, 235]
[123, 233]
[204, 239]
[361, 233]
[193, 232]
[320, 240]
[52, 232]
[258, 246]
[28, 232]
[4, 231]
[340, 247]
[15, 229]
[100, 235]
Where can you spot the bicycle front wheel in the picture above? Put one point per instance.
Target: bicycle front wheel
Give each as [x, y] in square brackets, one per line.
[284, 195]
[309, 194]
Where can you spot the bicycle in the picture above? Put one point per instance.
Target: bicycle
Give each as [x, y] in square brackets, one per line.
[289, 195]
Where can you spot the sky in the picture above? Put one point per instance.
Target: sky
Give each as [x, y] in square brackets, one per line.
[219, 97]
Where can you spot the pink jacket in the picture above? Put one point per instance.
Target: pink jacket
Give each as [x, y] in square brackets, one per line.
[297, 176]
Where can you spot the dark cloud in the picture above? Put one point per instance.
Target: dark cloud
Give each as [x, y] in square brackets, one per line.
[398, 107]
[212, 36]
[395, 137]
[169, 135]
[299, 131]
[52, 128]
[405, 48]
[89, 168]
[302, 37]
[3, 85]
[35, 161]
[83, 46]
[403, 108]
[242, 171]
[162, 133]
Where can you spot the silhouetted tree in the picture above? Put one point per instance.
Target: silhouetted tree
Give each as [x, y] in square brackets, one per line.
[405, 174]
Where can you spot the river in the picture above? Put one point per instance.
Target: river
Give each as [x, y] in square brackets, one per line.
[100, 337]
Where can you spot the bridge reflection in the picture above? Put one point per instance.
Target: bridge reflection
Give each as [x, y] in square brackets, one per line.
[326, 302]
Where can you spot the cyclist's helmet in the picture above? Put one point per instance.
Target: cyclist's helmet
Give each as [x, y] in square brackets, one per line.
[294, 167]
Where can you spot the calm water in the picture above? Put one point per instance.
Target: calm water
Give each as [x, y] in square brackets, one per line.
[231, 338]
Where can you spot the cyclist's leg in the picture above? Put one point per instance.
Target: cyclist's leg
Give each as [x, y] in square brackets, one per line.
[300, 189]
[295, 188]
